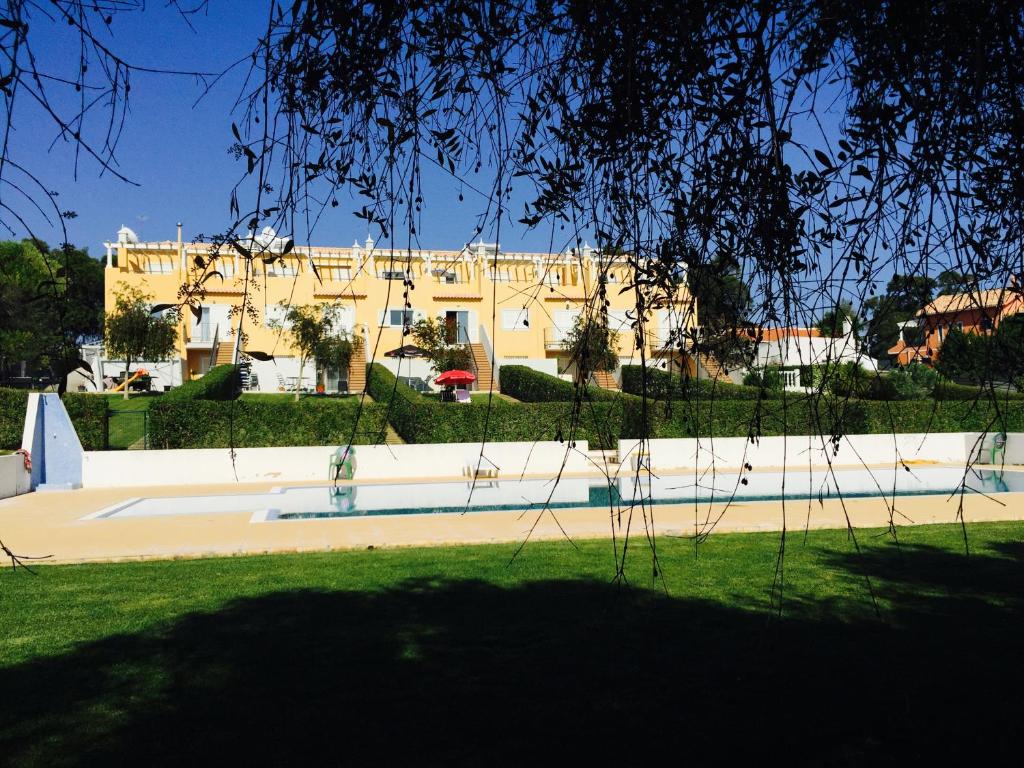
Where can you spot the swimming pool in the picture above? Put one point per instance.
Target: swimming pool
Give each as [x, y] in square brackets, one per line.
[570, 493]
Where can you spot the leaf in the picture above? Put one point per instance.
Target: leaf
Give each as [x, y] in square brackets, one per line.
[288, 245]
[159, 308]
[197, 312]
[234, 130]
[84, 365]
[823, 158]
[199, 262]
[212, 274]
[262, 356]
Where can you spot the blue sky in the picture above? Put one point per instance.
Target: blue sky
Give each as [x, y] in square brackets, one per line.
[176, 150]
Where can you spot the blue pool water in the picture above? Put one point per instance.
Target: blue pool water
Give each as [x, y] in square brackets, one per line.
[573, 493]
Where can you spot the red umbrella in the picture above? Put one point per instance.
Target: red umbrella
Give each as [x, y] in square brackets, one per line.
[455, 377]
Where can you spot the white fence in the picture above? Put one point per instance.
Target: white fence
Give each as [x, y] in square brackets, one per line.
[802, 451]
[115, 469]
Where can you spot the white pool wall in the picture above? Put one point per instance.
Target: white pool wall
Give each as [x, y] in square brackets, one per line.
[118, 469]
[14, 478]
[799, 451]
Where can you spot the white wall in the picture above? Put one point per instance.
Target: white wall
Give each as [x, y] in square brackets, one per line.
[14, 479]
[800, 451]
[166, 374]
[109, 469]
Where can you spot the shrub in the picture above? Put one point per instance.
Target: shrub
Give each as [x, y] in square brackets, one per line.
[422, 420]
[768, 378]
[665, 386]
[532, 386]
[913, 382]
[219, 383]
[849, 380]
[12, 417]
[826, 416]
[88, 414]
[254, 424]
[947, 390]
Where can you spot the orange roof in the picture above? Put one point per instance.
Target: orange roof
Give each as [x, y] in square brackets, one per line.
[962, 302]
[776, 334]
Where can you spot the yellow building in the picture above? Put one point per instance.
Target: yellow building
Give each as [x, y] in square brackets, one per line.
[512, 307]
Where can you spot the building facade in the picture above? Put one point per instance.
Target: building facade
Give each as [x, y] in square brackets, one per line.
[973, 312]
[514, 307]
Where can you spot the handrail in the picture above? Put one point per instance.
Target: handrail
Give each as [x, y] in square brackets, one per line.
[214, 346]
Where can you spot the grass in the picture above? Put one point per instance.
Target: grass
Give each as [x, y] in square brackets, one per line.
[463, 654]
[278, 396]
[126, 425]
[477, 397]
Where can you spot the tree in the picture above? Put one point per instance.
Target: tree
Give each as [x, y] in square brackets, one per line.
[592, 346]
[837, 321]
[904, 296]
[963, 356]
[132, 332]
[50, 303]
[315, 333]
[433, 336]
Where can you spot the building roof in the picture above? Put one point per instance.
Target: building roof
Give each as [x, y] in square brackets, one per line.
[777, 334]
[962, 302]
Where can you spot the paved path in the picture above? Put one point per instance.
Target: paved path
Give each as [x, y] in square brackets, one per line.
[52, 524]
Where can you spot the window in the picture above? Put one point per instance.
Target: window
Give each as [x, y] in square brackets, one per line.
[515, 319]
[393, 274]
[396, 318]
[450, 278]
[942, 331]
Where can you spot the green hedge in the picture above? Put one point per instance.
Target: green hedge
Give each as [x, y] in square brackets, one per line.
[219, 383]
[255, 424]
[88, 413]
[421, 420]
[947, 390]
[531, 386]
[665, 386]
[804, 415]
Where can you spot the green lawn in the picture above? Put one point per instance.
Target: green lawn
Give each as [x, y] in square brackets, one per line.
[127, 423]
[279, 396]
[463, 655]
[479, 397]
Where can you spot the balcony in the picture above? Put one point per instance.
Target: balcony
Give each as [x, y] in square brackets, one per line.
[553, 339]
[201, 336]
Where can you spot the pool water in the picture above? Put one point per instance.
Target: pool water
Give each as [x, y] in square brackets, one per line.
[573, 493]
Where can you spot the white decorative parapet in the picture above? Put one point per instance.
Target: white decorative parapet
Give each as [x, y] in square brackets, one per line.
[802, 450]
[187, 467]
[14, 478]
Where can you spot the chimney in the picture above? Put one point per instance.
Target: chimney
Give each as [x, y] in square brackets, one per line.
[369, 244]
[847, 327]
[181, 249]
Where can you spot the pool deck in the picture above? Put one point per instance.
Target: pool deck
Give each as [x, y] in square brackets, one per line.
[51, 524]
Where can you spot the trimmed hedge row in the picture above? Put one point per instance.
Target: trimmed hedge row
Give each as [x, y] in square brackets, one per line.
[531, 386]
[803, 415]
[947, 390]
[257, 424]
[665, 386]
[219, 383]
[420, 420]
[88, 413]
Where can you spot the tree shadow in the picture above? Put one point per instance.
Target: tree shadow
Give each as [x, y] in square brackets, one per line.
[468, 672]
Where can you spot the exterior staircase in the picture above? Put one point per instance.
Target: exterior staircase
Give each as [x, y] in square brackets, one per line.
[357, 371]
[604, 380]
[225, 351]
[713, 368]
[483, 367]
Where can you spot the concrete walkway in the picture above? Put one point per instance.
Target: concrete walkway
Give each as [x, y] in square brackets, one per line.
[51, 523]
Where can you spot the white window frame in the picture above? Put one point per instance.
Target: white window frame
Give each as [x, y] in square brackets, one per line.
[515, 319]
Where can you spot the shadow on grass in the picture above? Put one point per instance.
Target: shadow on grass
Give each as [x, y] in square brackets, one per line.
[467, 672]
